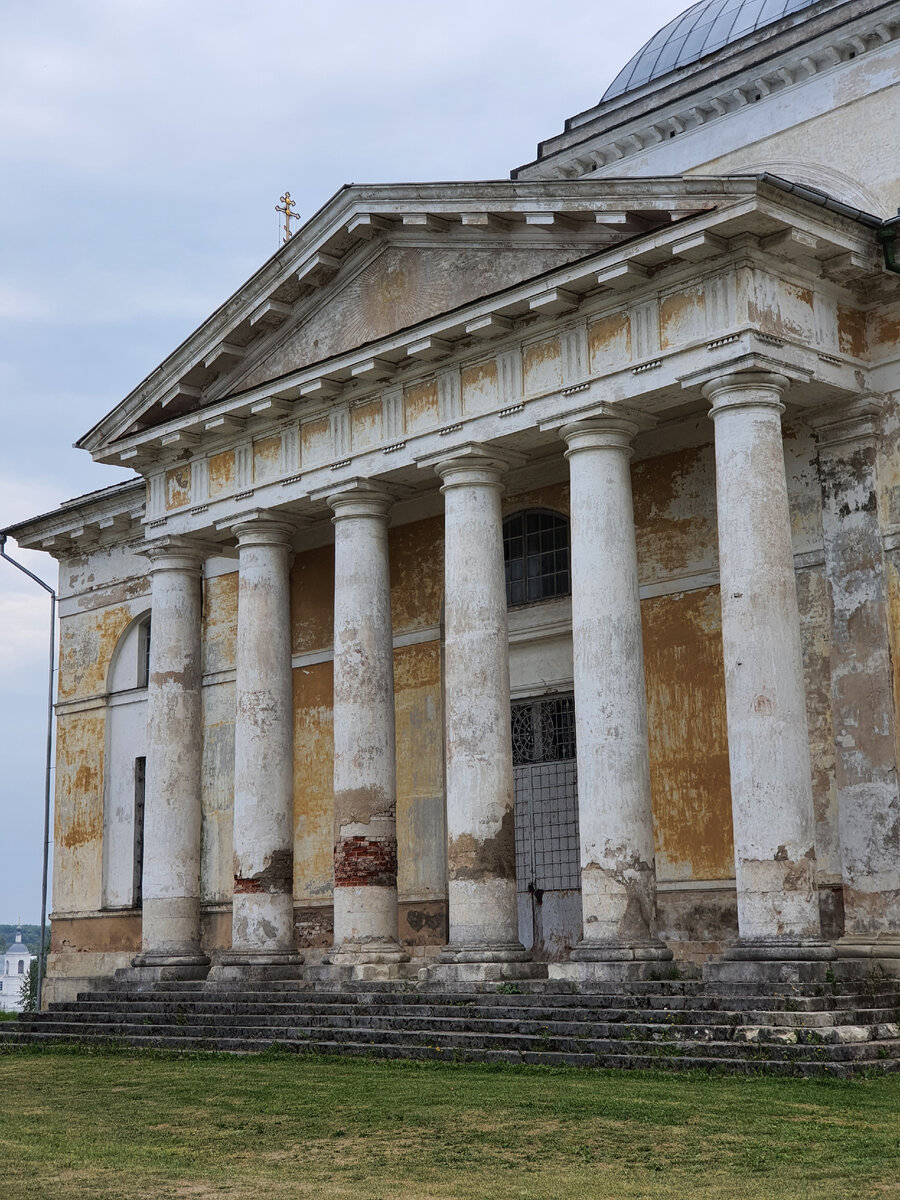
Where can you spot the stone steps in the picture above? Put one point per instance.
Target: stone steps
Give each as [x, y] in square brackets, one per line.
[483, 1020]
[567, 1038]
[774, 1059]
[671, 1024]
[756, 1001]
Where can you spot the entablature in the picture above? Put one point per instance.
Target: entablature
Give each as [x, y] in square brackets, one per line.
[818, 245]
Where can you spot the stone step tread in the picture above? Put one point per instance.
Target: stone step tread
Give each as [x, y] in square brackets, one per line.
[130, 1031]
[609, 1014]
[540, 1057]
[469, 1022]
[583, 1000]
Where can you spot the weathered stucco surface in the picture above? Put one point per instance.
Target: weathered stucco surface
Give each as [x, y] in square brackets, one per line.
[313, 781]
[78, 817]
[312, 600]
[421, 836]
[217, 870]
[675, 513]
[688, 735]
[417, 574]
[87, 643]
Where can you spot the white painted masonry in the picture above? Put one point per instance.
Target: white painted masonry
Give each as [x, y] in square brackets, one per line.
[482, 902]
[365, 763]
[768, 738]
[618, 872]
[171, 879]
[263, 748]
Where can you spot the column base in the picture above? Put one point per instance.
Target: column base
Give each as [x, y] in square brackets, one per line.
[650, 951]
[463, 972]
[773, 960]
[341, 973]
[237, 966]
[366, 954]
[163, 968]
[879, 950]
[589, 972]
[484, 952]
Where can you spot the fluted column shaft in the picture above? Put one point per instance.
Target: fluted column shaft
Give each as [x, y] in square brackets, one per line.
[263, 749]
[768, 741]
[480, 821]
[172, 811]
[365, 766]
[618, 872]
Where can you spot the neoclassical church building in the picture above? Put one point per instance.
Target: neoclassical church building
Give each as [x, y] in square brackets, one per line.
[510, 580]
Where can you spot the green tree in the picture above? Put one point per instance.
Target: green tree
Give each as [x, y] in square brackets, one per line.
[29, 987]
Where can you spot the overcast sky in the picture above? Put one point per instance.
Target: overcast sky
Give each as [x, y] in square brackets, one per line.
[143, 146]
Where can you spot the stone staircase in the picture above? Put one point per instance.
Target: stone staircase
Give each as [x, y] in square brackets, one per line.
[837, 1029]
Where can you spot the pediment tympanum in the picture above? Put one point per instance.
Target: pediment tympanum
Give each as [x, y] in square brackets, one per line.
[400, 287]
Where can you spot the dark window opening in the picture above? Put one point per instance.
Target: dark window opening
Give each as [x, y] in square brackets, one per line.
[143, 671]
[536, 553]
[140, 787]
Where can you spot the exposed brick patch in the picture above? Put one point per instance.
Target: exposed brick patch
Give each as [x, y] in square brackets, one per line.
[365, 862]
[275, 878]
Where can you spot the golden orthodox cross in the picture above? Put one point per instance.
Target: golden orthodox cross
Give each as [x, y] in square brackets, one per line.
[286, 207]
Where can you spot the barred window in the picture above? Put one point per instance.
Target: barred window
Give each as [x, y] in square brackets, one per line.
[543, 730]
[536, 552]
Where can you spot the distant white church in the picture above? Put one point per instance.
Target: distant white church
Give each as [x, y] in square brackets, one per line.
[16, 962]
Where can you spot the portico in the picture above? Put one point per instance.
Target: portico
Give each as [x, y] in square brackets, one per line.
[768, 737]
[585, 496]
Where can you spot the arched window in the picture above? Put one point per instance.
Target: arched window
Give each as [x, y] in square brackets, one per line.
[536, 552]
[21, 966]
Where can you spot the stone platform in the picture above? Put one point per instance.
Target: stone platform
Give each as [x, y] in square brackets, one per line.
[837, 1028]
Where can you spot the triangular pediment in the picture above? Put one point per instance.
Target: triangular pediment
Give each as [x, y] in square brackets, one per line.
[400, 287]
[377, 260]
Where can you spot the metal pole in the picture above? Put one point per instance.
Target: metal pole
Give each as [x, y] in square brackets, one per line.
[42, 954]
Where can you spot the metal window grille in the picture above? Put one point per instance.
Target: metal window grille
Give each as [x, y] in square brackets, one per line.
[543, 731]
[546, 791]
[536, 553]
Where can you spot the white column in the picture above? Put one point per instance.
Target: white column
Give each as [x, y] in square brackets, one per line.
[262, 930]
[171, 872]
[480, 821]
[365, 763]
[862, 684]
[618, 869]
[768, 741]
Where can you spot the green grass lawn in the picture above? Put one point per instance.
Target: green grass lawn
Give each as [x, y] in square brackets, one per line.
[75, 1124]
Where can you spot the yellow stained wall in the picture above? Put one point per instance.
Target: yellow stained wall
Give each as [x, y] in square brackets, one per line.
[688, 735]
[87, 643]
[78, 815]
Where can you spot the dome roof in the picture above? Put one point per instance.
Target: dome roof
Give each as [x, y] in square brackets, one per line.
[703, 29]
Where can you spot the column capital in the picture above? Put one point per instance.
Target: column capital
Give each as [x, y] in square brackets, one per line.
[605, 432]
[472, 463]
[746, 389]
[176, 554]
[359, 499]
[260, 527]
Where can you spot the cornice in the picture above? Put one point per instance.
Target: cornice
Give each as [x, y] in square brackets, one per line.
[766, 62]
[112, 515]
